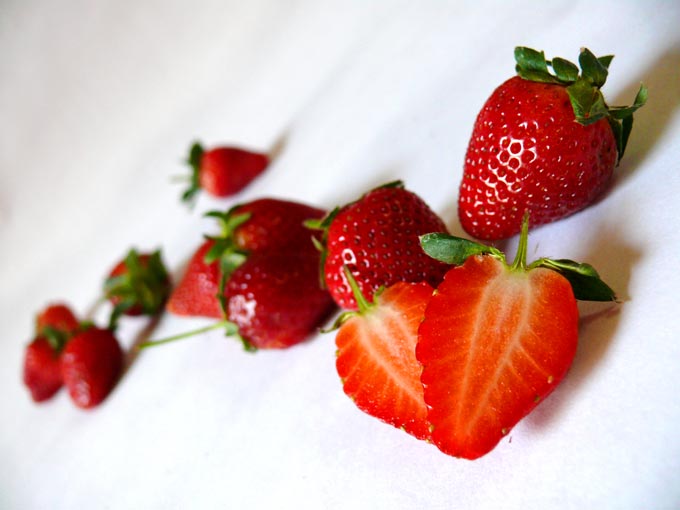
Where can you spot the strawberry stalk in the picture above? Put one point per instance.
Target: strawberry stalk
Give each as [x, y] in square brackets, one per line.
[583, 87]
[230, 330]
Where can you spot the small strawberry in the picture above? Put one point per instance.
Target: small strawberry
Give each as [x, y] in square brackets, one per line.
[376, 237]
[41, 370]
[496, 339]
[57, 317]
[91, 364]
[275, 300]
[376, 358]
[222, 171]
[543, 143]
[137, 285]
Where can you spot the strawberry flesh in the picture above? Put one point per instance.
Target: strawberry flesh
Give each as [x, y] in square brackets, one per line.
[376, 358]
[493, 343]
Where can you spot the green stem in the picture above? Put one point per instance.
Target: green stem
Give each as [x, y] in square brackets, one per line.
[520, 262]
[187, 334]
[362, 303]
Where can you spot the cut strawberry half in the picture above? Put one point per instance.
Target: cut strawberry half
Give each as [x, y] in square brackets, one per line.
[376, 355]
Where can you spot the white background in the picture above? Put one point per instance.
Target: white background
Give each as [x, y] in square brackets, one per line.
[99, 102]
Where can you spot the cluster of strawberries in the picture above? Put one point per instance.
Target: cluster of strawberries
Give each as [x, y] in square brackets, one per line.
[87, 359]
[440, 336]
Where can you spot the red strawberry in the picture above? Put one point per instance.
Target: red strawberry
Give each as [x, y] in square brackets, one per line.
[376, 356]
[196, 293]
[41, 370]
[223, 171]
[275, 299]
[376, 237]
[266, 224]
[91, 364]
[543, 143]
[137, 285]
[496, 339]
[57, 316]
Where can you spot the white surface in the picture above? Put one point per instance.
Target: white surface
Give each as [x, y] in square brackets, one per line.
[99, 102]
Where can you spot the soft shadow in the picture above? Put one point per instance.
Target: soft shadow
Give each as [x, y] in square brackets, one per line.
[143, 336]
[614, 260]
[278, 146]
[662, 79]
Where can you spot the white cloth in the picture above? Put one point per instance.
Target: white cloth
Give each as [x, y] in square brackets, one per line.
[99, 103]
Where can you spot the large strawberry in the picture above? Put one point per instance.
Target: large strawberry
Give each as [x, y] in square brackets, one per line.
[376, 358]
[546, 143]
[260, 275]
[222, 171]
[91, 364]
[496, 339]
[376, 237]
[41, 370]
[137, 285]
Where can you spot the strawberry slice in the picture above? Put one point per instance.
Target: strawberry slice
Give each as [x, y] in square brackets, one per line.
[496, 339]
[376, 355]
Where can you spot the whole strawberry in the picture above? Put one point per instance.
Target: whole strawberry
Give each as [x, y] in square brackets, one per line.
[222, 171]
[137, 285]
[275, 300]
[376, 237]
[496, 339]
[91, 364]
[546, 143]
[41, 370]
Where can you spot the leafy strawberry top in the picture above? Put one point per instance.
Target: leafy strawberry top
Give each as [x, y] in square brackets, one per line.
[583, 86]
[584, 279]
[138, 282]
[194, 161]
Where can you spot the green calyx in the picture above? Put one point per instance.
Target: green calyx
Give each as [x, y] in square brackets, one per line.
[194, 161]
[145, 285]
[583, 86]
[55, 337]
[583, 278]
[229, 256]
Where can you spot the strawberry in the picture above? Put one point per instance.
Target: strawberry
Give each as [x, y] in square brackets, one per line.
[195, 294]
[376, 355]
[256, 275]
[543, 143]
[137, 285]
[275, 300]
[222, 171]
[266, 224]
[57, 316]
[91, 364]
[496, 339]
[41, 370]
[376, 237]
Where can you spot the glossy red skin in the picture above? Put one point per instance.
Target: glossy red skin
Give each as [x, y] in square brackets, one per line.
[91, 364]
[376, 358]
[195, 294]
[119, 270]
[527, 152]
[225, 171]
[41, 370]
[275, 224]
[377, 238]
[57, 316]
[275, 298]
[493, 344]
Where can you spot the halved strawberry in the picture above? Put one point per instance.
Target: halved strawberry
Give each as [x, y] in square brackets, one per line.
[496, 339]
[376, 355]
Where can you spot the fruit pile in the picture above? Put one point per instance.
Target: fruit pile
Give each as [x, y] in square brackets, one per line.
[439, 335]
